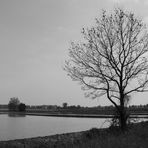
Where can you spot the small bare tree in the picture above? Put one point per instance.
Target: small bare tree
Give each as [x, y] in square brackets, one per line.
[112, 59]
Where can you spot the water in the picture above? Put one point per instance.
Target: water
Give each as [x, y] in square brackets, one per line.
[18, 127]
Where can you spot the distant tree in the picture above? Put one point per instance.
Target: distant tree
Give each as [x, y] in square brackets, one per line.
[13, 104]
[65, 105]
[78, 106]
[112, 59]
[22, 107]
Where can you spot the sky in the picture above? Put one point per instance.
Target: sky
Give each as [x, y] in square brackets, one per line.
[34, 39]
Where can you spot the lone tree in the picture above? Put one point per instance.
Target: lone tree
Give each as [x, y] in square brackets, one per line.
[13, 104]
[112, 59]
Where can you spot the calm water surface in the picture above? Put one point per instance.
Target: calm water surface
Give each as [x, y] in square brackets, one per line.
[19, 127]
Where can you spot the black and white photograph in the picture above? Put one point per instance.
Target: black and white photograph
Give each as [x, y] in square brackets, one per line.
[73, 74]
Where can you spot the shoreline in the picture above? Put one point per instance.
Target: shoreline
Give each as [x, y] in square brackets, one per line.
[137, 135]
[44, 141]
[73, 115]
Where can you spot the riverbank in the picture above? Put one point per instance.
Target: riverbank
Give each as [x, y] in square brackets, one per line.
[61, 115]
[140, 115]
[135, 137]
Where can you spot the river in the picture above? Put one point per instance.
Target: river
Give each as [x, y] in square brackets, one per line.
[15, 126]
[18, 127]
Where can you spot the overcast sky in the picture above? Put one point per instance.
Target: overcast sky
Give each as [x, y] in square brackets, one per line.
[34, 39]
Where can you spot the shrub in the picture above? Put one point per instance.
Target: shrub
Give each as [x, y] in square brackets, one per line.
[22, 107]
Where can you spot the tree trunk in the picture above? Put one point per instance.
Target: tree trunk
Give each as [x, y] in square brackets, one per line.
[123, 119]
[122, 112]
[123, 115]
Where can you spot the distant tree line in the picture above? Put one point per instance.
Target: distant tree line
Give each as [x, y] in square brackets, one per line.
[77, 109]
[15, 105]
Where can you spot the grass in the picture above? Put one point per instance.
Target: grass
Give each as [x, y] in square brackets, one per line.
[135, 137]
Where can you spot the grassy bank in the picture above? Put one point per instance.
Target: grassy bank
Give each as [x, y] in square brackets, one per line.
[135, 137]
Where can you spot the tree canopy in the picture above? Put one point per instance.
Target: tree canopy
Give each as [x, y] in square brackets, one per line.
[13, 104]
[112, 59]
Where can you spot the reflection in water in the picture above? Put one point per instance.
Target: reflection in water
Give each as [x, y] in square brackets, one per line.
[11, 114]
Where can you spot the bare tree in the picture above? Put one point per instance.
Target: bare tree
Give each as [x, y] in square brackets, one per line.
[112, 59]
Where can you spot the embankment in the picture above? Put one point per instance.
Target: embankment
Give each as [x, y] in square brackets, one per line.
[140, 115]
